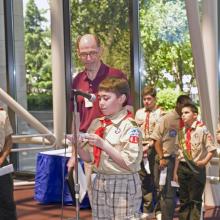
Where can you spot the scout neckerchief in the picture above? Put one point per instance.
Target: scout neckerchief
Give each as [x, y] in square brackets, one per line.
[188, 141]
[100, 132]
[147, 122]
[185, 145]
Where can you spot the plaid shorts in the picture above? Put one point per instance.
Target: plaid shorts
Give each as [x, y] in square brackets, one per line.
[116, 197]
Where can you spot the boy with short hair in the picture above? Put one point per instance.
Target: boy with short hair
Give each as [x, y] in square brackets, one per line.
[196, 148]
[165, 134]
[147, 118]
[113, 146]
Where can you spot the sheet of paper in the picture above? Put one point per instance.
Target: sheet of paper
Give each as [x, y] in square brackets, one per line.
[163, 176]
[6, 169]
[146, 165]
[174, 184]
[88, 103]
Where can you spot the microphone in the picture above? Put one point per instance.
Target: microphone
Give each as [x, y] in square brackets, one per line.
[91, 97]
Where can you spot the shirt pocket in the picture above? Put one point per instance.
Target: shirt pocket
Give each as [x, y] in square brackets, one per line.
[113, 136]
[196, 144]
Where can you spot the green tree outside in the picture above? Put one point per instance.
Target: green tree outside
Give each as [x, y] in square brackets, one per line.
[37, 57]
[165, 44]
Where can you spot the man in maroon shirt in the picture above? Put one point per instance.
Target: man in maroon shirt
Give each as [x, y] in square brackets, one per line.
[89, 52]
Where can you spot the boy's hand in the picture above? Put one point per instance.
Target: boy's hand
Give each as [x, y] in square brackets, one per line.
[94, 139]
[175, 177]
[70, 163]
[1, 160]
[70, 138]
[201, 163]
[163, 163]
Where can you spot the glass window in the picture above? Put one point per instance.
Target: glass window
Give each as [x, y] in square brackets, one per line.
[2, 50]
[32, 40]
[110, 22]
[166, 53]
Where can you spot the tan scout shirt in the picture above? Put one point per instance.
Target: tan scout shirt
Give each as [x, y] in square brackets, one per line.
[119, 135]
[5, 128]
[140, 118]
[201, 141]
[166, 131]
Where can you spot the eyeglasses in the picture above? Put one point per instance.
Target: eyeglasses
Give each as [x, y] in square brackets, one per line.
[92, 54]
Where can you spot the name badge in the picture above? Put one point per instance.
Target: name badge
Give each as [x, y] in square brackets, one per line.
[88, 104]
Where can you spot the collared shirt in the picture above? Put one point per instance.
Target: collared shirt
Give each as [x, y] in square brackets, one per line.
[5, 128]
[140, 118]
[201, 142]
[125, 136]
[82, 82]
[166, 132]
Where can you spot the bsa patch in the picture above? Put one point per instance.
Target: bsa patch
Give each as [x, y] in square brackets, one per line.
[134, 135]
[172, 133]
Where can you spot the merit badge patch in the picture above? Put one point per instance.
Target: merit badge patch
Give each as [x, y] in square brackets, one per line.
[172, 133]
[134, 135]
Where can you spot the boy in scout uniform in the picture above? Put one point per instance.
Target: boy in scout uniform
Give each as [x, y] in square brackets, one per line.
[164, 135]
[113, 146]
[147, 118]
[196, 148]
[7, 205]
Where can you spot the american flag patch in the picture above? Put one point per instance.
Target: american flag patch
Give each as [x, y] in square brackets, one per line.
[134, 135]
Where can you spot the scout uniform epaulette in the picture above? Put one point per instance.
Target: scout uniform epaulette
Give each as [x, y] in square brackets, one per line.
[200, 123]
[133, 122]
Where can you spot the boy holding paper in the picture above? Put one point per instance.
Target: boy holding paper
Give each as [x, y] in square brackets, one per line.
[113, 146]
[165, 134]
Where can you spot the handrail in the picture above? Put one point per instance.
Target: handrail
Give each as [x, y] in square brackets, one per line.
[22, 112]
[31, 139]
[31, 148]
[34, 139]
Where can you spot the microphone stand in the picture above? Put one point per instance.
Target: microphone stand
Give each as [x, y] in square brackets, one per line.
[75, 148]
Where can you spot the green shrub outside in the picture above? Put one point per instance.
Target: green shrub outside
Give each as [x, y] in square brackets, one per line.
[166, 98]
[40, 102]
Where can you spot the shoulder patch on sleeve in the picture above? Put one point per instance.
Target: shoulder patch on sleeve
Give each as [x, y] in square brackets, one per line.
[134, 135]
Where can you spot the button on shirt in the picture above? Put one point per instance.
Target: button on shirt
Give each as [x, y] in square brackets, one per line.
[201, 142]
[125, 136]
[5, 128]
[166, 131]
